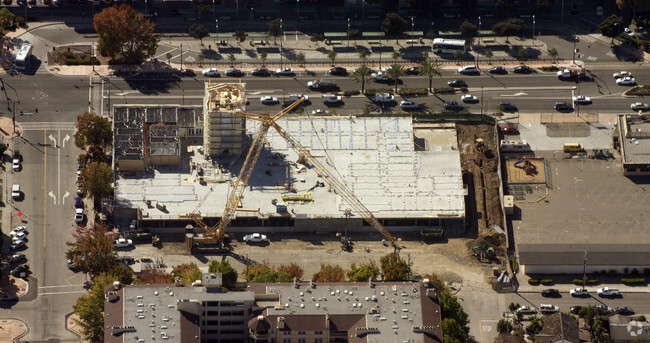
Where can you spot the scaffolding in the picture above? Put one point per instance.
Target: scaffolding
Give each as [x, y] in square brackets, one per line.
[223, 132]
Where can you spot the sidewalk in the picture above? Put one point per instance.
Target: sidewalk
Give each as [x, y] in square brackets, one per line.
[11, 329]
[564, 284]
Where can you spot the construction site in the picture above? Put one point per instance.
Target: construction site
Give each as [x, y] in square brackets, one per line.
[281, 173]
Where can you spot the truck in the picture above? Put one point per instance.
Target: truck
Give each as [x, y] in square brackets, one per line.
[331, 99]
[384, 97]
[322, 85]
[570, 72]
[608, 292]
[382, 77]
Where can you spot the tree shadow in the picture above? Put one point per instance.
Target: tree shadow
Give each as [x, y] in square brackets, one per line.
[230, 50]
[251, 53]
[211, 54]
[269, 50]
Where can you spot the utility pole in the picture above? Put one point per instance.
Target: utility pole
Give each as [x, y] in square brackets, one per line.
[348, 32]
[181, 56]
[479, 30]
[574, 48]
[584, 269]
[281, 39]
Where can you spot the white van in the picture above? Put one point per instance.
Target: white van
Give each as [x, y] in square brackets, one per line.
[15, 192]
[514, 146]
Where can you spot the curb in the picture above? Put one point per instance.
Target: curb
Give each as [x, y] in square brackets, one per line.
[17, 338]
[67, 316]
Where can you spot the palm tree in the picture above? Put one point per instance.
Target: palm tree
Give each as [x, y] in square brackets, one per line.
[396, 56]
[396, 71]
[363, 55]
[430, 68]
[332, 56]
[231, 59]
[263, 56]
[360, 75]
[300, 58]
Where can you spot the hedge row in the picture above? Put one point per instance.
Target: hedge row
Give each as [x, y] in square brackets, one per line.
[589, 282]
[547, 281]
[448, 89]
[412, 91]
[637, 280]
[351, 93]
[535, 282]
[549, 68]
[76, 62]
[373, 91]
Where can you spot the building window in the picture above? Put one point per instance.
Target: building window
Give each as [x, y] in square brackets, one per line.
[318, 340]
[287, 340]
[318, 332]
[301, 332]
[301, 340]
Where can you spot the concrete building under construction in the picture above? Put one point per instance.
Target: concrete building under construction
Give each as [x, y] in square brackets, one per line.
[407, 175]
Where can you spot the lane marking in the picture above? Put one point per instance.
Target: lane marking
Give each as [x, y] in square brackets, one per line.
[55, 293]
[44, 197]
[60, 286]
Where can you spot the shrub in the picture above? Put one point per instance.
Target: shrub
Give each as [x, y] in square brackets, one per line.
[547, 281]
[641, 318]
[588, 282]
[351, 93]
[412, 91]
[514, 265]
[533, 282]
[635, 271]
[639, 90]
[447, 89]
[549, 68]
[68, 54]
[626, 271]
[504, 326]
[634, 280]
[19, 20]
[372, 92]
[646, 271]
[612, 273]
[317, 37]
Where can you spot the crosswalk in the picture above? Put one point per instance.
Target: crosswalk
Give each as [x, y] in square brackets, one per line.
[37, 126]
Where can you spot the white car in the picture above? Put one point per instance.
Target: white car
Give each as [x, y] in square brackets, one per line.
[213, 72]
[406, 104]
[319, 111]
[296, 97]
[285, 72]
[525, 310]
[16, 164]
[18, 229]
[639, 106]
[123, 242]
[626, 81]
[622, 74]
[469, 98]
[468, 70]
[269, 100]
[331, 98]
[546, 308]
[579, 292]
[255, 238]
[18, 235]
[581, 99]
[78, 215]
[15, 192]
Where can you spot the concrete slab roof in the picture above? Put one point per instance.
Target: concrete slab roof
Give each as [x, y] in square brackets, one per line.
[635, 140]
[375, 157]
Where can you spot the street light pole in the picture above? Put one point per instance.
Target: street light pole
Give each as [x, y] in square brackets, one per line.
[348, 32]
[479, 31]
[412, 28]
[574, 49]
[562, 16]
[533, 27]
[297, 17]
[216, 24]
[181, 56]
[281, 39]
[146, 2]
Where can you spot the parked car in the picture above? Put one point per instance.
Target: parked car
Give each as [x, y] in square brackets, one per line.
[78, 215]
[413, 71]
[255, 238]
[498, 70]
[18, 235]
[550, 293]
[563, 106]
[523, 70]
[269, 100]
[17, 258]
[409, 105]
[15, 192]
[605, 308]
[621, 74]
[526, 310]
[575, 309]
[468, 70]
[639, 106]
[468, 98]
[320, 111]
[579, 292]
[16, 165]
[78, 203]
[339, 71]
[457, 83]
[123, 242]
[608, 292]
[234, 72]
[582, 100]
[453, 105]
[510, 129]
[548, 308]
[211, 72]
[17, 156]
[624, 311]
[18, 229]
[15, 245]
[285, 72]
[626, 81]
[261, 72]
[186, 72]
[20, 269]
[507, 106]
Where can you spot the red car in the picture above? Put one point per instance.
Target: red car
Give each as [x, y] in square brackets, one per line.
[510, 129]
[186, 72]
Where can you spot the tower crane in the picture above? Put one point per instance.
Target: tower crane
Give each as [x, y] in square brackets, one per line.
[215, 233]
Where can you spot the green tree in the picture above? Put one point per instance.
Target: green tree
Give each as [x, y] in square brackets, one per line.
[504, 326]
[510, 27]
[94, 153]
[363, 55]
[636, 5]
[6, 18]
[354, 34]
[521, 53]
[360, 75]
[240, 35]
[198, 31]
[430, 69]
[468, 29]
[458, 55]
[452, 332]
[393, 24]
[332, 56]
[92, 250]
[263, 56]
[228, 273]
[3, 147]
[611, 26]
[188, 272]
[363, 271]
[203, 9]
[489, 54]
[317, 37]
[275, 28]
[535, 326]
[451, 308]
[513, 307]
[553, 53]
[329, 273]
[134, 41]
[300, 58]
[393, 267]
[93, 129]
[169, 57]
[395, 55]
[231, 58]
[396, 71]
[96, 180]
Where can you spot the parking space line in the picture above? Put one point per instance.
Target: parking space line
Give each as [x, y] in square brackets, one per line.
[165, 53]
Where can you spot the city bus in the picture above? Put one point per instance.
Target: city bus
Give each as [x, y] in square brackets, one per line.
[449, 46]
[24, 56]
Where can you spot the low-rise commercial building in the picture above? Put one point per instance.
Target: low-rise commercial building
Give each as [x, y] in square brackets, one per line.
[634, 139]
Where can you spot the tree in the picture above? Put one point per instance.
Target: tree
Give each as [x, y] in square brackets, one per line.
[263, 56]
[240, 35]
[510, 27]
[394, 268]
[360, 75]
[452, 332]
[396, 71]
[228, 273]
[94, 153]
[329, 273]
[544, 6]
[262, 273]
[300, 58]
[198, 31]
[362, 272]
[611, 26]
[332, 56]
[3, 146]
[132, 41]
[636, 5]
[535, 326]
[231, 58]
[153, 275]
[521, 53]
[292, 269]
[96, 180]
[458, 55]
[395, 55]
[393, 24]
[317, 37]
[354, 34]
[363, 55]
[553, 53]
[93, 129]
[188, 272]
[90, 309]
[468, 29]
[430, 69]
[504, 326]
[93, 250]
[169, 57]
[489, 54]
[6, 18]
[275, 28]
[451, 308]
[513, 307]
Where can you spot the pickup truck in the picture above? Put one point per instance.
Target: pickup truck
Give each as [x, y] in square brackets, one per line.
[571, 72]
[608, 292]
[384, 97]
[322, 85]
[331, 99]
[382, 77]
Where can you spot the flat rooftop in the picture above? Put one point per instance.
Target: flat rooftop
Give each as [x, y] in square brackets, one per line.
[374, 156]
[635, 142]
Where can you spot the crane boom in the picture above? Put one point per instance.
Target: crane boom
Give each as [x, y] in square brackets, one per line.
[338, 186]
